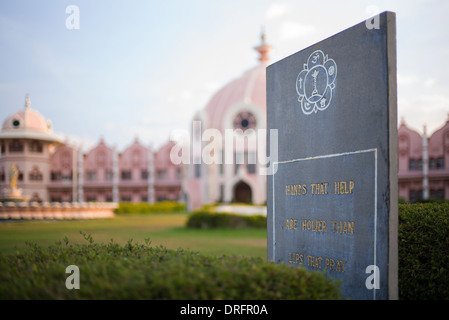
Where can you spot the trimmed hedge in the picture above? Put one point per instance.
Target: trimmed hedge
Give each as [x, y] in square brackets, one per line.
[134, 271]
[423, 241]
[423, 251]
[145, 207]
[213, 220]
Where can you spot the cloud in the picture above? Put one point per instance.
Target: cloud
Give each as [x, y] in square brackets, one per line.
[414, 80]
[406, 80]
[291, 30]
[429, 82]
[275, 10]
[425, 108]
[85, 143]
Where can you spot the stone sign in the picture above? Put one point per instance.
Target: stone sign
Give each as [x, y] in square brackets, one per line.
[332, 202]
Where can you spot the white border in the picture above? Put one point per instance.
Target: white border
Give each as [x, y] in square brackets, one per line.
[332, 156]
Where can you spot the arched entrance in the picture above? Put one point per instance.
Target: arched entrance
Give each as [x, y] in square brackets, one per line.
[242, 192]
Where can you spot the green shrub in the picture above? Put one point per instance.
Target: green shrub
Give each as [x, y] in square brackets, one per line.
[145, 207]
[134, 271]
[423, 251]
[213, 220]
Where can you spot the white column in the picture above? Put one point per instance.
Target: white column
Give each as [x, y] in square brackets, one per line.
[80, 174]
[183, 196]
[229, 177]
[115, 175]
[425, 165]
[150, 175]
[74, 173]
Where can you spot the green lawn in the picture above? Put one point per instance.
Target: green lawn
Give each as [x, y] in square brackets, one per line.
[162, 229]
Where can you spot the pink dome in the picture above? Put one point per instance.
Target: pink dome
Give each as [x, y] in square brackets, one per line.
[250, 88]
[27, 119]
[29, 124]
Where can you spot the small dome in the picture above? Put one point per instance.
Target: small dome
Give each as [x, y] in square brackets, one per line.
[27, 123]
[27, 119]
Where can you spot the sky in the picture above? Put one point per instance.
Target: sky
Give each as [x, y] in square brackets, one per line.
[142, 68]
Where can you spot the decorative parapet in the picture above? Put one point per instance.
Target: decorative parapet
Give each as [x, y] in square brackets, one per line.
[57, 210]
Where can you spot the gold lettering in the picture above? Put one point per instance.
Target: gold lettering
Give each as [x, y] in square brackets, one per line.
[295, 189]
[295, 257]
[317, 262]
[314, 262]
[329, 263]
[319, 188]
[340, 265]
[351, 227]
[292, 224]
[334, 265]
[343, 227]
[314, 225]
[344, 187]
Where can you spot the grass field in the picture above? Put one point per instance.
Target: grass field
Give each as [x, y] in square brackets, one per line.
[162, 229]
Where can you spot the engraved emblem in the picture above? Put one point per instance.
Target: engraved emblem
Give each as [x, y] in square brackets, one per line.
[315, 84]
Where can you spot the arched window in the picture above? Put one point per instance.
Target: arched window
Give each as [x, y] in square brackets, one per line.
[35, 174]
[16, 146]
[35, 146]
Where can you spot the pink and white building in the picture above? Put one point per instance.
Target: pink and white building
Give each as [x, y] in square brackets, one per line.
[27, 141]
[137, 174]
[240, 106]
[423, 171]
[53, 171]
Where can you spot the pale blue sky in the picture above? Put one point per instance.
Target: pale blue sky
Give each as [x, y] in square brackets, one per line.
[143, 68]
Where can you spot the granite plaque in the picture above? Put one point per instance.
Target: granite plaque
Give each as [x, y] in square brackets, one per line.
[332, 203]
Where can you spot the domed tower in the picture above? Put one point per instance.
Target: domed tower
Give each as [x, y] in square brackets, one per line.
[26, 142]
[238, 108]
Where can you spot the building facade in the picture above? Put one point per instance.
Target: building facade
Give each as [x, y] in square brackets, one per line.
[50, 170]
[423, 161]
[27, 143]
[234, 173]
[423, 171]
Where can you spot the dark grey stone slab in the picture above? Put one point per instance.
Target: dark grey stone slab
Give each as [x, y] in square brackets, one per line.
[332, 204]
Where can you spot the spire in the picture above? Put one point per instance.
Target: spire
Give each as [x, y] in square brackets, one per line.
[27, 101]
[263, 48]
